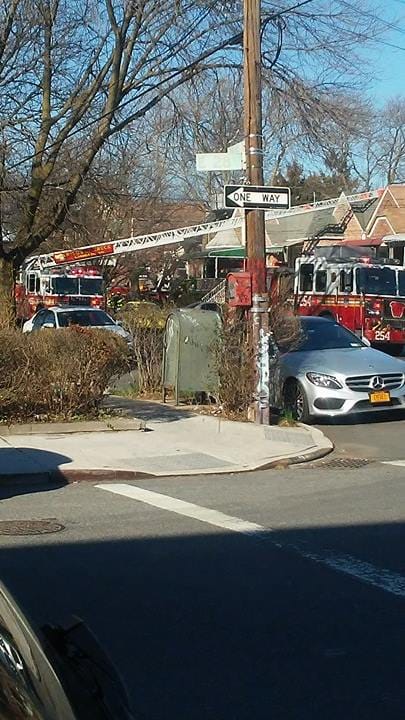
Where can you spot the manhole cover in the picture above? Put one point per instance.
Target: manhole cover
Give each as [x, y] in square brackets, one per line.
[340, 463]
[30, 527]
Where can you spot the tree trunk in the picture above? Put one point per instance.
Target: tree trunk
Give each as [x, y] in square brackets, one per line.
[7, 302]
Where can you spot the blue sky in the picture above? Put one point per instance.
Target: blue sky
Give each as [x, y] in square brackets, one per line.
[387, 61]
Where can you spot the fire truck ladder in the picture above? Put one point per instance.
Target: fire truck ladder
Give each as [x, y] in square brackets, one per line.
[168, 237]
[131, 244]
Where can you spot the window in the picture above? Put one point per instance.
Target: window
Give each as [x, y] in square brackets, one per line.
[326, 335]
[376, 281]
[346, 281]
[31, 282]
[85, 318]
[91, 286]
[306, 277]
[65, 286]
[39, 319]
[49, 318]
[320, 281]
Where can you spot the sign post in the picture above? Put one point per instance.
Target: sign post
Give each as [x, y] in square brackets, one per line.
[254, 218]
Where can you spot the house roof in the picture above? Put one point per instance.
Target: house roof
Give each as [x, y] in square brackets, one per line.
[364, 210]
[322, 219]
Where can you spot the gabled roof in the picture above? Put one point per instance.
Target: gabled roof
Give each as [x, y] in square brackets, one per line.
[364, 210]
[323, 218]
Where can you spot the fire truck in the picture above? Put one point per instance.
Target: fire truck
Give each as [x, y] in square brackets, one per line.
[61, 277]
[365, 295]
[43, 287]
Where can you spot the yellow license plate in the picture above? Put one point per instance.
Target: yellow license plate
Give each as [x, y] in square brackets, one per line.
[380, 397]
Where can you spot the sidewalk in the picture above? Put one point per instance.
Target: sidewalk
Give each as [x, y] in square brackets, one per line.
[152, 440]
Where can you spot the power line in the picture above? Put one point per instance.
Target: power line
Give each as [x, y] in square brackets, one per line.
[389, 25]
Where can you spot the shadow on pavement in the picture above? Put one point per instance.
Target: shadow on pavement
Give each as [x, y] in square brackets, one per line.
[21, 467]
[225, 627]
[146, 410]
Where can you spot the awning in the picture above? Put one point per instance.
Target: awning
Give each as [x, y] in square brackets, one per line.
[237, 252]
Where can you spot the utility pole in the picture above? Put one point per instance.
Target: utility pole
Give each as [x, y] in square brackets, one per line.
[254, 219]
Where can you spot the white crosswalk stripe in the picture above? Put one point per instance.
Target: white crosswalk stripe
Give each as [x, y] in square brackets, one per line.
[382, 578]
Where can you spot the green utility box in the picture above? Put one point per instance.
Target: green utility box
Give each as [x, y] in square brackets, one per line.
[189, 360]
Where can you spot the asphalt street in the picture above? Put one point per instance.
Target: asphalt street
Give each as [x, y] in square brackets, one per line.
[278, 594]
[378, 436]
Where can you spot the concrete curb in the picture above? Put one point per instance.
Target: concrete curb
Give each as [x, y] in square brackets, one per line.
[69, 477]
[113, 424]
[59, 477]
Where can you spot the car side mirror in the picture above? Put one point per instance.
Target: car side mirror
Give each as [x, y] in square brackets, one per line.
[118, 322]
[366, 341]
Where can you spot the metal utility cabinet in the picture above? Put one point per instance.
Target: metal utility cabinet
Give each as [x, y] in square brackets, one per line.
[189, 356]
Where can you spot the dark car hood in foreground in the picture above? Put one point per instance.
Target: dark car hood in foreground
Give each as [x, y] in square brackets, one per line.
[54, 674]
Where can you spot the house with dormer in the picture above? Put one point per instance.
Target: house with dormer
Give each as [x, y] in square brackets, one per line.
[363, 219]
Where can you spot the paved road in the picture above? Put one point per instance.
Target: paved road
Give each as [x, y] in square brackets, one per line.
[379, 436]
[285, 601]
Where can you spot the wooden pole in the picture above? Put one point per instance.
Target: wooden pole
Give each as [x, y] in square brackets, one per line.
[254, 219]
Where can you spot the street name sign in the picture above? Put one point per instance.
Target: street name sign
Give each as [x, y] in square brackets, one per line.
[233, 159]
[257, 197]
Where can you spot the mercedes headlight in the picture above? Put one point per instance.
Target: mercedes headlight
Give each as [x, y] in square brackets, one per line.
[325, 381]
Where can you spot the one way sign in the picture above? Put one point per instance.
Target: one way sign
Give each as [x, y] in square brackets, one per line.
[255, 197]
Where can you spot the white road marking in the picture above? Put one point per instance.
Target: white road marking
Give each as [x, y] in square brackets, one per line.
[382, 578]
[399, 463]
[165, 502]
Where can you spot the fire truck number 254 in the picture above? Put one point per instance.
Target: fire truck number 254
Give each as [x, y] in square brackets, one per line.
[382, 334]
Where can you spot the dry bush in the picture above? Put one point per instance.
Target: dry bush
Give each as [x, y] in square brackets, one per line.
[235, 366]
[235, 353]
[57, 374]
[146, 323]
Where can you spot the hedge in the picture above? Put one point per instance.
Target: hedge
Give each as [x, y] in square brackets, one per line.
[57, 374]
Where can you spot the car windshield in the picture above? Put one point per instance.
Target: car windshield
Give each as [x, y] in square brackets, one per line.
[91, 286]
[65, 286]
[326, 335]
[86, 318]
[376, 281]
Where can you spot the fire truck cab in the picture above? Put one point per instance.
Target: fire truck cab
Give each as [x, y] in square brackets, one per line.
[79, 285]
[364, 295]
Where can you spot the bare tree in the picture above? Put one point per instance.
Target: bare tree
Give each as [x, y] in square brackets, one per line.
[392, 140]
[88, 69]
[75, 73]
[377, 150]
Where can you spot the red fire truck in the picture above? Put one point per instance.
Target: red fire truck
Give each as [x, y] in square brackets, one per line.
[43, 287]
[365, 295]
[55, 278]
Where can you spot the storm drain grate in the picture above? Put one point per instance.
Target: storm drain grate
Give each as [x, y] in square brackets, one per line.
[339, 463]
[30, 527]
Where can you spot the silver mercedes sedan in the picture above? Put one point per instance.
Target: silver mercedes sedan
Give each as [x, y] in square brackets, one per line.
[329, 371]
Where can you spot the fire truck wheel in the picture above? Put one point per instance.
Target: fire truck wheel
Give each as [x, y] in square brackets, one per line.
[295, 401]
[327, 316]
